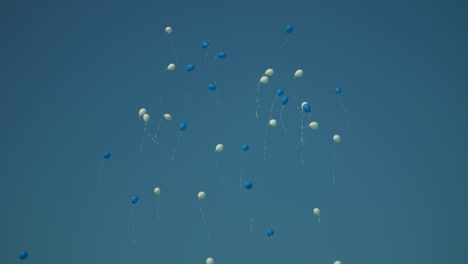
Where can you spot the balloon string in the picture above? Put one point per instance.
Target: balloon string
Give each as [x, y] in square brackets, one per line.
[178, 140]
[345, 112]
[281, 118]
[143, 138]
[204, 221]
[334, 159]
[258, 100]
[265, 149]
[100, 171]
[158, 210]
[271, 108]
[133, 224]
[155, 138]
[173, 49]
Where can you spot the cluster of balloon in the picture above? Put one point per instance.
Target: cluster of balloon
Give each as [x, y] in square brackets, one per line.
[182, 127]
[289, 30]
[271, 123]
[105, 156]
[134, 200]
[166, 117]
[337, 139]
[168, 30]
[263, 80]
[23, 255]
[201, 196]
[338, 92]
[157, 192]
[211, 261]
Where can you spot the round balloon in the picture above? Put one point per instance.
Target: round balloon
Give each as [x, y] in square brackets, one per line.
[168, 117]
[134, 199]
[313, 125]
[212, 86]
[210, 261]
[298, 73]
[245, 147]
[270, 232]
[264, 79]
[201, 195]
[337, 90]
[337, 138]
[190, 67]
[222, 55]
[289, 29]
[171, 67]
[146, 118]
[248, 185]
[316, 212]
[142, 112]
[205, 44]
[280, 92]
[219, 148]
[168, 30]
[272, 122]
[337, 262]
[157, 191]
[23, 255]
[182, 126]
[107, 155]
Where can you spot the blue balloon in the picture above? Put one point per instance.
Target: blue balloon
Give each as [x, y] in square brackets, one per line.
[212, 86]
[182, 126]
[270, 232]
[284, 100]
[306, 108]
[289, 29]
[222, 55]
[245, 147]
[280, 92]
[248, 185]
[190, 67]
[134, 199]
[107, 155]
[23, 255]
[205, 44]
[337, 90]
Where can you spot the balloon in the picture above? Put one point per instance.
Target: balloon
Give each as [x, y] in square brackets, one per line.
[314, 125]
[210, 261]
[171, 67]
[182, 126]
[269, 72]
[107, 155]
[245, 147]
[337, 262]
[264, 79]
[23, 255]
[134, 199]
[190, 67]
[146, 118]
[205, 44]
[284, 100]
[219, 148]
[212, 86]
[168, 117]
[316, 212]
[168, 30]
[289, 29]
[270, 232]
[337, 90]
[280, 92]
[142, 112]
[157, 191]
[337, 138]
[272, 122]
[298, 73]
[201, 195]
[222, 55]
[248, 185]
[306, 107]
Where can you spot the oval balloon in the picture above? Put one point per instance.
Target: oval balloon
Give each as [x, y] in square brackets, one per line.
[248, 185]
[289, 29]
[190, 67]
[205, 44]
[316, 212]
[313, 125]
[210, 261]
[337, 138]
[219, 148]
[146, 118]
[157, 191]
[337, 90]
[270, 232]
[168, 117]
[212, 86]
[182, 126]
[298, 73]
[264, 79]
[222, 55]
[134, 199]
[284, 100]
[23, 255]
[269, 72]
[142, 112]
[107, 155]
[337, 262]
[168, 30]
[201, 195]
[280, 92]
[306, 108]
[272, 122]
[245, 147]
[170, 67]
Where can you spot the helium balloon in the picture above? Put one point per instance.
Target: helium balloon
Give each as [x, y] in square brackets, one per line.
[313, 125]
[284, 100]
[270, 232]
[298, 73]
[134, 199]
[337, 138]
[337, 262]
[248, 185]
[245, 147]
[289, 29]
[219, 148]
[201, 195]
[210, 261]
[205, 44]
[168, 117]
[269, 72]
[146, 118]
[337, 90]
[182, 126]
[272, 122]
[168, 30]
[107, 155]
[306, 108]
[280, 92]
[171, 67]
[264, 79]
[222, 55]
[190, 67]
[23, 255]
[316, 212]
[142, 112]
[212, 86]
[157, 191]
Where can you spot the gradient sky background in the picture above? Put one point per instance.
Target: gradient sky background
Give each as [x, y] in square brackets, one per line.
[75, 73]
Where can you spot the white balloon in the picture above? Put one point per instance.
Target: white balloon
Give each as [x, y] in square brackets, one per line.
[302, 105]
[272, 122]
[269, 72]
[337, 262]
[298, 73]
[142, 112]
[168, 30]
[337, 138]
[209, 261]
[146, 118]
[157, 191]
[316, 212]
[264, 79]
[314, 125]
[219, 147]
[171, 67]
[201, 195]
[168, 117]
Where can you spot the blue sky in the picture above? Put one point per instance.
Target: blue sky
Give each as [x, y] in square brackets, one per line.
[74, 75]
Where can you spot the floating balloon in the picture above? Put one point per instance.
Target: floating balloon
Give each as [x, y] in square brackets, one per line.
[284, 101]
[337, 90]
[306, 107]
[313, 125]
[317, 213]
[134, 200]
[222, 55]
[157, 192]
[142, 112]
[269, 72]
[190, 67]
[337, 262]
[248, 185]
[298, 73]
[182, 126]
[23, 255]
[272, 122]
[201, 196]
[146, 118]
[289, 29]
[270, 232]
[264, 79]
[219, 148]
[337, 138]
[245, 147]
[210, 261]
[168, 117]
[170, 67]
[205, 44]
[212, 86]
[168, 30]
[107, 155]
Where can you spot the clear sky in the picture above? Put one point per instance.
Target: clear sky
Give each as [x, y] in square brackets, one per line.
[73, 75]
